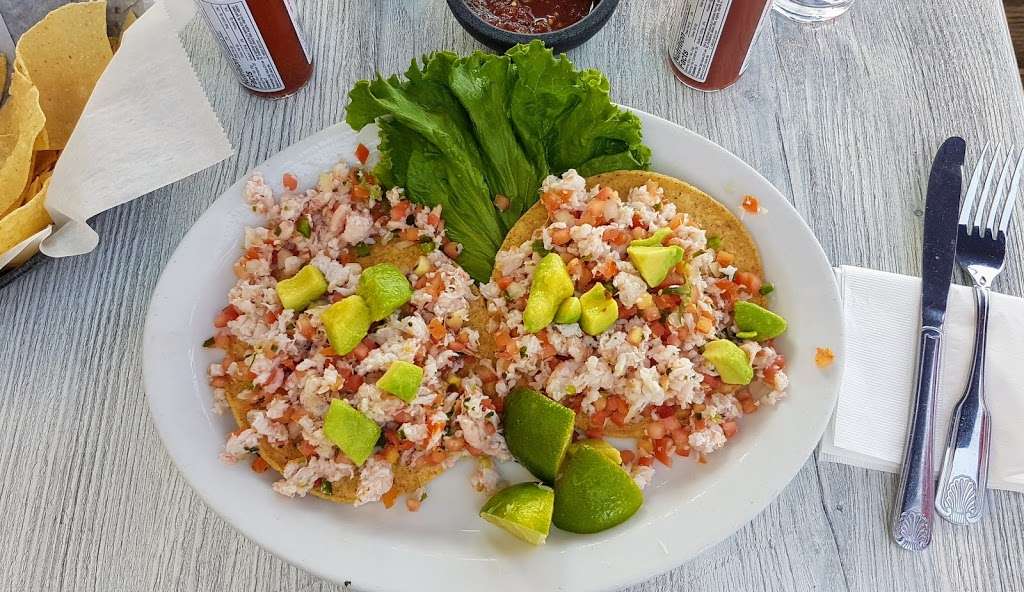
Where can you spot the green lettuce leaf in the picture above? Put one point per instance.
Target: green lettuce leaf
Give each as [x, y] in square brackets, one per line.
[458, 131]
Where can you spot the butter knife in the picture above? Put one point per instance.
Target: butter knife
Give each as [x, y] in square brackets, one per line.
[912, 520]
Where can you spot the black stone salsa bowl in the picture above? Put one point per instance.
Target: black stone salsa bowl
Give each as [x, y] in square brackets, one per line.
[560, 40]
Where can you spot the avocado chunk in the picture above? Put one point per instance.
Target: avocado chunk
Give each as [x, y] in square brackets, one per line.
[753, 318]
[384, 288]
[550, 286]
[568, 311]
[354, 433]
[300, 290]
[346, 322]
[402, 380]
[730, 361]
[652, 241]
[654, 263]
[599, 310]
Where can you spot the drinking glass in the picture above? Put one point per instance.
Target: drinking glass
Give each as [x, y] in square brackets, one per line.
[812, 11]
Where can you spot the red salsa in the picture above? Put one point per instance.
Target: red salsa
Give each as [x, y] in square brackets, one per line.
[531, 16]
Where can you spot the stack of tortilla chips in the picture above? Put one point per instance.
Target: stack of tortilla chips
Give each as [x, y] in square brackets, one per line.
[57, 63]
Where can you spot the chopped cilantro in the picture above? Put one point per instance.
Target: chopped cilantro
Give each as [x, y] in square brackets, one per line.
[766, 289]
[208, 342]
[427, 247]
[538, 247]
[326, 488]
[303, 227]
[362, 249]
[714, 242]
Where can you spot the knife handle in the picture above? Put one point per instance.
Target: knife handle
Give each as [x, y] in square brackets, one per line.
[912, 522]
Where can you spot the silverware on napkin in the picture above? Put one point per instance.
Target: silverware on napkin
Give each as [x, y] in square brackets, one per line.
[980, 251]
[912, 524]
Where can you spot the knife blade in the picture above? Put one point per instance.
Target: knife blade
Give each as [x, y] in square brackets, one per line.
[912, 520]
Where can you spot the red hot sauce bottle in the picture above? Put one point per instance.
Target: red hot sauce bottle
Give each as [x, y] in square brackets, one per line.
[264, 43]
[713, 40]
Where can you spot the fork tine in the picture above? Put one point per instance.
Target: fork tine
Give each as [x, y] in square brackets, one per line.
[1011, 198]
[972, 189]
[997, 199]
[986, 195]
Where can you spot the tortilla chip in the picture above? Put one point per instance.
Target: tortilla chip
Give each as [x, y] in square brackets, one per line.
[21, 121]
[704, 212]
[407, 479]
[44, 161]
[64, 55]
[3, 71]
[25, 221]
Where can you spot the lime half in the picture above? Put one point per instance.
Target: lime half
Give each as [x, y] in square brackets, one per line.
[538, 431]
[523, 509]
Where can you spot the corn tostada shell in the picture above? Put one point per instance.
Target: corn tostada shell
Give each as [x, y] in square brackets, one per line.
[407, 479]
[703, 210]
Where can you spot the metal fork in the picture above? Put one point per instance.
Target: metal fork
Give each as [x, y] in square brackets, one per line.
[980, 251]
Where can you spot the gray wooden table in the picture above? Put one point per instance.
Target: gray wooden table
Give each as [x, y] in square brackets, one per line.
[842, 118]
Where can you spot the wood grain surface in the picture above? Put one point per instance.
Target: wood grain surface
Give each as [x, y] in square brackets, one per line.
[843, 118]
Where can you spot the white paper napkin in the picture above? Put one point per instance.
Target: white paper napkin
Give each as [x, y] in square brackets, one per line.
[882, 314]
[147, 124]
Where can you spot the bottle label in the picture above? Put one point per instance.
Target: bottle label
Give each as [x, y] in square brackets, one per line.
[242, 41]
[298, 30]
[700, 28]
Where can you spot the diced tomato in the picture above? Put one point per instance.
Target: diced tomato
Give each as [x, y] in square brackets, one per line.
[437, 456]
[627, 456]
[412, 504]
[362, 153]
[360, 192]
[725, 258]
[504, 282]
[608, 269]
[676, 221]
[400, 210]
[270, 317]
[352, 383]
[683, 450]
[225, 316]
[603, 193]
[666, 301]
[388, 499]
[433, 219]
[645, 461]
[259, 465]
[436, 328]
[637, 221]
[750, 204]
[656, 430]
[627, 312]
[729, 428]
[307, 449]
[657, 327]
[616, 236]
[750, 281]
[663, 450]
[596, 433]
[290, 182]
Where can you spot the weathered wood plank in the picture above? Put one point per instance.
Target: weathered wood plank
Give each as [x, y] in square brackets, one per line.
[843, 118]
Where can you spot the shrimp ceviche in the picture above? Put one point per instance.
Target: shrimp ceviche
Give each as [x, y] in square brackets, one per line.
[349, 345]
[622, 308]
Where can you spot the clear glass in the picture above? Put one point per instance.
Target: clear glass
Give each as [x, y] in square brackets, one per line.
[812, 11]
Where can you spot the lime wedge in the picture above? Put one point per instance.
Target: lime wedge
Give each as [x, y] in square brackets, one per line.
[593, 493]
[523, 509]
[538, 431]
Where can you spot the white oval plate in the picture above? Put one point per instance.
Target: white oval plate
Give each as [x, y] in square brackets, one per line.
[445, 546]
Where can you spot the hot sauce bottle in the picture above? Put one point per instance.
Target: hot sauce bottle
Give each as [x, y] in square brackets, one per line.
[713, 40]
[263, 40]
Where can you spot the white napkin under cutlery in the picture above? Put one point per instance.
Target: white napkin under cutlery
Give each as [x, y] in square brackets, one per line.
[882, 315]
